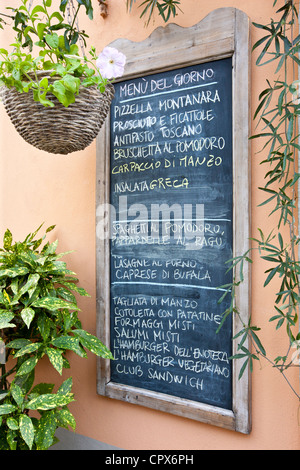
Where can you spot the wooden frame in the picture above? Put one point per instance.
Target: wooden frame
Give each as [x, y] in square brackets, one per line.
[223, 33]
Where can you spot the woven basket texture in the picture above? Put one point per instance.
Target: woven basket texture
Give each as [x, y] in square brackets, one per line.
[58, 130]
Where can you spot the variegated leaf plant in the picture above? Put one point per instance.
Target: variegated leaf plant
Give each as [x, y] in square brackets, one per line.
[38, 319]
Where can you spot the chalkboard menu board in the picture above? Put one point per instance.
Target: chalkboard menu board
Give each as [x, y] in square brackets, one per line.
[171, 194]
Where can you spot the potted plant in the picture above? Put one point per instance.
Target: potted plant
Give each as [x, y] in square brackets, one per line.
[56, 96]
[38, 322]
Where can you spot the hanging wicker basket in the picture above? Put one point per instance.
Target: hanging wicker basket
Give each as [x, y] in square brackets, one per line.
[58, 129]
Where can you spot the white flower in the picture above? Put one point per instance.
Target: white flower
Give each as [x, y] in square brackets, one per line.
[111, 63]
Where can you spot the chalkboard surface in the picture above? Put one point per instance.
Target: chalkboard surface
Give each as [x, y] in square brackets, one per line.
[171, 197]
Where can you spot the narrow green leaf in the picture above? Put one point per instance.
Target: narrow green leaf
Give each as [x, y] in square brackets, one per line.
[224, 316]
[243, 368]
[258, 343]
[280, 239]
[270, 276]
[262, 26]
[290, 128]
[280, 63]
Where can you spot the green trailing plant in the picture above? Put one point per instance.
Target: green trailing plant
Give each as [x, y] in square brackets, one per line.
[57, 51]
[165, 8]
[38, 322]
[277, 115]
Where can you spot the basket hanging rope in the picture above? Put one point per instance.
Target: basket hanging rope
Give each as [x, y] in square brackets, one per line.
[58, 130]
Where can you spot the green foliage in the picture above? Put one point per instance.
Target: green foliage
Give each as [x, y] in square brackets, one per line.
[278, 112]
[55, 43]
[38, 320]
[165, 8]
[56, 52]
